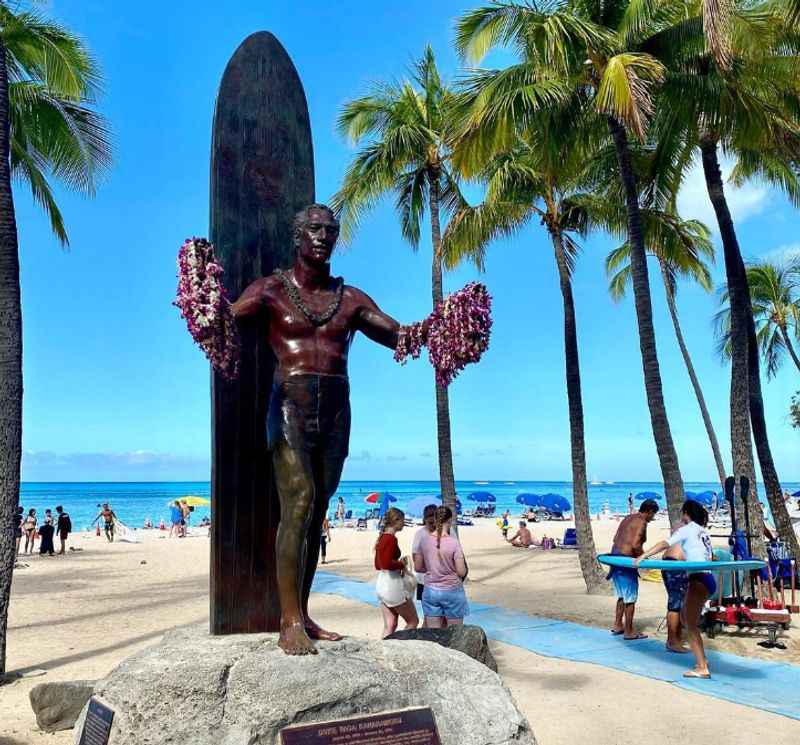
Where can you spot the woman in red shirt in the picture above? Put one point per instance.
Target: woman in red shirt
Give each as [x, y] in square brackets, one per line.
[390, 587]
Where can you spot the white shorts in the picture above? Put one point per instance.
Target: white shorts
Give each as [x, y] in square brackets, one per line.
[390, 588]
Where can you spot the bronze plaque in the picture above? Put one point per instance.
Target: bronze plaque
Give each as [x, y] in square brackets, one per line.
[97, 725]
[407, 727]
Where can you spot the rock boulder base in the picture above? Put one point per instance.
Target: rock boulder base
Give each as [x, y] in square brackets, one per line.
[58, 705]
[242, 690]
[470, 640]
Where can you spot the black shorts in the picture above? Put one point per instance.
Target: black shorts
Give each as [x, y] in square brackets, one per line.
[311, 413]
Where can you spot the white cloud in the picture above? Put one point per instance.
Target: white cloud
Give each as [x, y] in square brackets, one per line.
[783, 254]
[744, 202]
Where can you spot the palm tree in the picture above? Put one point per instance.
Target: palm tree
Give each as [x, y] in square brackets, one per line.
[775, 299]
[48, 81]
[598, 52]
[681, 248]
[407, 152]
[746, 108]
[538, 180]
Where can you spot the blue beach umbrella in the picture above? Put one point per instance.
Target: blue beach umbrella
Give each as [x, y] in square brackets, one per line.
[690, 495]
[417, 505]
[481, 496]
[705, 498]
[438, 500]
[648, 495]
[530, 500]
[796, 494]
[555, 503]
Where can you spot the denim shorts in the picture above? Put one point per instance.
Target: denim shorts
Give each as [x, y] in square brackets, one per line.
[451, 603]
[626, 584]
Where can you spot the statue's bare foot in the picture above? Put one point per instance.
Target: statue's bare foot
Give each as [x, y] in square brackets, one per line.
[294, 639]
[315, 631]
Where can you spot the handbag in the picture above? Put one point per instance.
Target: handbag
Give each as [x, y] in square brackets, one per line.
[409, 578]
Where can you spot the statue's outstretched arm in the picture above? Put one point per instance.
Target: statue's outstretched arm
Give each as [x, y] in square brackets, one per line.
[375, 324]
[250, 302]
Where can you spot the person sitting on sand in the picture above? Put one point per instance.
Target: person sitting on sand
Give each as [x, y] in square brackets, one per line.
[629, 541]
[441, 557]
[522, 538]
[389, 586]
[695, 542]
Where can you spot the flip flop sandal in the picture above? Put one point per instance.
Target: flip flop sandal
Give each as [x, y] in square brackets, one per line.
[616, 633]
[634, 638]
[695, 674]
[675, 651]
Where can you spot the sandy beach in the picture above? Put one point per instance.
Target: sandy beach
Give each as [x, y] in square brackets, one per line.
[79, 615]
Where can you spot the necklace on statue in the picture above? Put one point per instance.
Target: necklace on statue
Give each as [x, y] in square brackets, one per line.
[318, 319]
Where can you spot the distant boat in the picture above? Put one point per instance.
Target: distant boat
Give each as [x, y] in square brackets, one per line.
[480, 482]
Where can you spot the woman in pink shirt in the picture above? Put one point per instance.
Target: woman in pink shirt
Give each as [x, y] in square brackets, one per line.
[441, 558]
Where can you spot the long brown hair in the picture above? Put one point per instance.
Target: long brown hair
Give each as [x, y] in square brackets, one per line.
[393, 516]
[443, 514]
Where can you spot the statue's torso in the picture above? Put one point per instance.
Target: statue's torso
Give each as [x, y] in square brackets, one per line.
[299, 345]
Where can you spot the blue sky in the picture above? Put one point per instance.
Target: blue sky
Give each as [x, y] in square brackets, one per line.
[116, 390]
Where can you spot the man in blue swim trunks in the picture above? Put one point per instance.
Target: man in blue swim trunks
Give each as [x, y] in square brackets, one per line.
[629, 541]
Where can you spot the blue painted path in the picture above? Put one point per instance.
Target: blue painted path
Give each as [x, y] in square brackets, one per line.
[771, 686]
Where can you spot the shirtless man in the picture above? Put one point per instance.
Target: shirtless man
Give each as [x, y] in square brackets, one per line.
[310, 319]
[629, 541]
[522, 538]
[108, 519]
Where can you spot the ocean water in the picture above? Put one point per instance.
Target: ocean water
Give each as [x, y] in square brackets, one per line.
[136, 502]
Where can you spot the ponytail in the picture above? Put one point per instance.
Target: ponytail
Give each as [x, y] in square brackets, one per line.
[393, 516]
[443, 514]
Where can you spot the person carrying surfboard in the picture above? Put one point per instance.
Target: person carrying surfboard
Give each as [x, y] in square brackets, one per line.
[695, 542]
[629, 541]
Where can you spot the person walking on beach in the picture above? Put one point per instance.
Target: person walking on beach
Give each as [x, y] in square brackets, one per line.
[629, 541]
[630, 502]
[505, 526]
[63, 528]
[186, 514]
[522, 538]
[390, 585]
[428, 527]
[324, 540]
[19, 519]
[108, 521]
[29, 526]
[46, 531]
[695, 542]
[441, 558]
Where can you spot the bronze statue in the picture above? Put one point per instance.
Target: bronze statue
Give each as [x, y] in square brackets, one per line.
[310, 319]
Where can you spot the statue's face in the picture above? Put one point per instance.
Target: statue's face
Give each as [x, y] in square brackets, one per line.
[318, 237]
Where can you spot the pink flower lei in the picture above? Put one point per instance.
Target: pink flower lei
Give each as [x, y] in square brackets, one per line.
[204, 304]
[458, 333]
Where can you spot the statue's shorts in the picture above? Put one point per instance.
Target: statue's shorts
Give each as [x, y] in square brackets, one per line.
[311, 413]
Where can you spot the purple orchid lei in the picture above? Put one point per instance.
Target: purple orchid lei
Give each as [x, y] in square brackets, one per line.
[458, 333]
[204, 304]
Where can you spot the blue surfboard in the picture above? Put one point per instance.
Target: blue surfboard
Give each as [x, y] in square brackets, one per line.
[681, 566]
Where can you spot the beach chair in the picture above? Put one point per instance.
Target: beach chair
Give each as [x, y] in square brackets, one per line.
[348, 515]
[570, 540]
[361, 523]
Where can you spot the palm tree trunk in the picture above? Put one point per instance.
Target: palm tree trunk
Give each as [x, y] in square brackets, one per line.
[667, 456]
[739, 297]
[446, 476]
[698, 391]
[593, 574]
[10, 366]
[787, 340]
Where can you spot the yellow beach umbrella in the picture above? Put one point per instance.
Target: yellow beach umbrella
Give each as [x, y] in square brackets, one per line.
[196, 501]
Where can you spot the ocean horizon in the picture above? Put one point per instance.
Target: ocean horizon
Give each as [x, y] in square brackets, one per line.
[137, 501]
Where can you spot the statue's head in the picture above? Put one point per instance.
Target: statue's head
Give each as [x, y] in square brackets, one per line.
[316, 231]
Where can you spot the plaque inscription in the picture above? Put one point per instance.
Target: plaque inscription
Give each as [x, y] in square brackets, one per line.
[406, 727]
[97, 725]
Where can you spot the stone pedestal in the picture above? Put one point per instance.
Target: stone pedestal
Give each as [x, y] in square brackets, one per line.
[242, 690]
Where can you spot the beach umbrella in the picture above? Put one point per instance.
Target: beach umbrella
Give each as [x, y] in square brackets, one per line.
[377, 496]
[796, 494]
[481, 496]
[705, 498]
[555, 503]
[648, 495]
[439, 501]
[531, 500]
[690, 495]
[191, 501]
[384, 503]
[417, 505]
